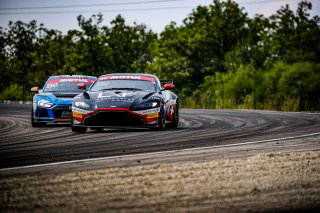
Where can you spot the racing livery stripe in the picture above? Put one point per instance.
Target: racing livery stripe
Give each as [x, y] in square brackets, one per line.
[80, 80]
[148, 111]
[126, 77]
[82, 111]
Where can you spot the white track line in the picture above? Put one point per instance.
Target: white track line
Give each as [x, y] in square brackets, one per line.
[152, 153]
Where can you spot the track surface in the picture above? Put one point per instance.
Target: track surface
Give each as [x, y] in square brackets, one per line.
[21, 145]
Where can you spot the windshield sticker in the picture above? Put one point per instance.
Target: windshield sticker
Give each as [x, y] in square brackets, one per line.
[82, 80]
[79, 80]
[52, 85]
[126, 77]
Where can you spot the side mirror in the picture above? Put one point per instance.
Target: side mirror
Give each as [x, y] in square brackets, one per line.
[34, 89]
[82, 86]
[168, 87]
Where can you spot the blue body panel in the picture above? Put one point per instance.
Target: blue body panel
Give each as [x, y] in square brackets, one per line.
[58, 104]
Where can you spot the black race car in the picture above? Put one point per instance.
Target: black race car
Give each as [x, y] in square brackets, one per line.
[125, 100]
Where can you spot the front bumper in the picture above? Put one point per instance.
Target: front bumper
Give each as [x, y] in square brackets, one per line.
[54, 114]
[115, 117]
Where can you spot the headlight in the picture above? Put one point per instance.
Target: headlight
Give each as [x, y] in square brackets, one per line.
[81, 104]
[148, 105]
[45, 103]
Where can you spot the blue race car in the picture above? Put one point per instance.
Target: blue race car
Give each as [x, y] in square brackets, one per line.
[53, 102]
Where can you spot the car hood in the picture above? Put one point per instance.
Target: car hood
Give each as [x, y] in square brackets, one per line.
[66, 95]
[58, 98]
[119, 99]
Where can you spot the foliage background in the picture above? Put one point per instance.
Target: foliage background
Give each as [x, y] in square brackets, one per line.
[218, 58]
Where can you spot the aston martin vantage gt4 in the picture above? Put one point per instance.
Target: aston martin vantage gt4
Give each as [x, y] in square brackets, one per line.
[125, 100]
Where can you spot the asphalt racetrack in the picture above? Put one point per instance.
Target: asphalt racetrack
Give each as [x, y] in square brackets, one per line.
[21, 145]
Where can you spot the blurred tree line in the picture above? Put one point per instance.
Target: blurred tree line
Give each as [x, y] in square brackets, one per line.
[218, 58]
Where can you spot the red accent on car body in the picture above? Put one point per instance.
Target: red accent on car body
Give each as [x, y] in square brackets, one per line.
[148, 120]
[168, 86]
[171, 112]
[82, 86]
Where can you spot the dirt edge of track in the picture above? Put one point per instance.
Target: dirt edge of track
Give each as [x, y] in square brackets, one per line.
[274, 182]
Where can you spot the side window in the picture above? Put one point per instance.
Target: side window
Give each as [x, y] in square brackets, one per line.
[158, 85]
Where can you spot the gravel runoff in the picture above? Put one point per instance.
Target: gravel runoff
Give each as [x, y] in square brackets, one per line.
[276, 182]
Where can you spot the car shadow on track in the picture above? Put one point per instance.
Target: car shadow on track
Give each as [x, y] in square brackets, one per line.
[53, 125]
[133, 130]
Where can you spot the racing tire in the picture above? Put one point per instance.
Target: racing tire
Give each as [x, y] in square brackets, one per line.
[175, 122]
[79, 129]
[35, 123]
[162, 119]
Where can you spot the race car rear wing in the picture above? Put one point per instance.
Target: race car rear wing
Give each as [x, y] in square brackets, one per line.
[163, 82]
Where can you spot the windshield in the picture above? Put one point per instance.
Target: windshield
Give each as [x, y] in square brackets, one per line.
[101, 85]
[66, 85]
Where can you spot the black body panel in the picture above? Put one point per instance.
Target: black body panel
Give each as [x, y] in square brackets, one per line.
[114, 118]
[57, 111]
[41, 112]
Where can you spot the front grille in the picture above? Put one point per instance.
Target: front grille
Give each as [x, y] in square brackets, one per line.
[41, 112]
[61, 112]
[119, 118]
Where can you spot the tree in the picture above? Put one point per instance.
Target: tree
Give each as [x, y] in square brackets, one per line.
[21, 43]
[296, 36]
[127, 46]
[48, 55]
[198, 48]
[254, 48]
[4, 75]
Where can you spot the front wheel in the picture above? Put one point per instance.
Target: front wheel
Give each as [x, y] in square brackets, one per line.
[79, 129]
[162, 119]
[175, 121]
